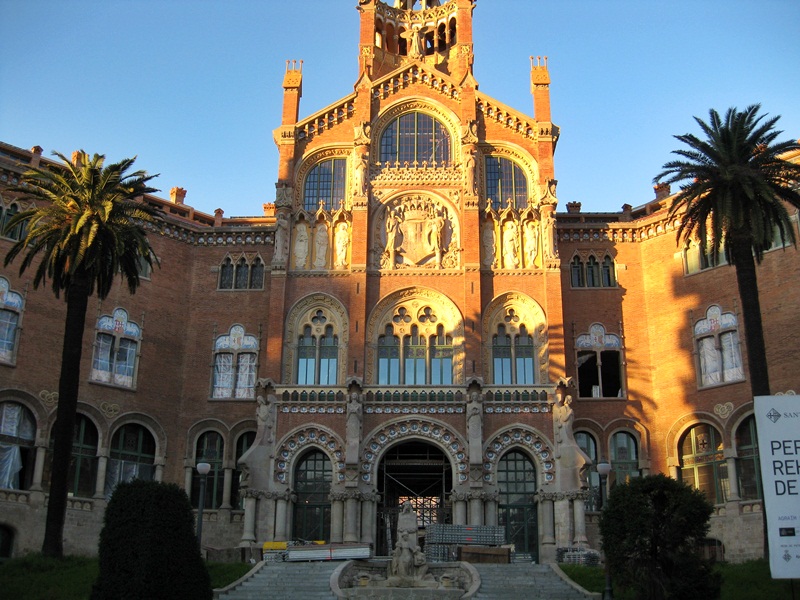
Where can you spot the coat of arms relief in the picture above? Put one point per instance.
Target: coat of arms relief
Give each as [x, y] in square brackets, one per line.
[416, 232]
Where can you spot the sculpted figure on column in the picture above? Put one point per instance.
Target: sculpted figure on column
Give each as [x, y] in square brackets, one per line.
[475, 427]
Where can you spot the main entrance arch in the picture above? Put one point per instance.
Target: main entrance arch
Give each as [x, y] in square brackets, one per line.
[412, 471]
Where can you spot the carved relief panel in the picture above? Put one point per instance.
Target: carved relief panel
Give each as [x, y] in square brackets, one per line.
[415, 232]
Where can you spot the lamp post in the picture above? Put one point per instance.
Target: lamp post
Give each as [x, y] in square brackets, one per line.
[603, 469]
[202, 468]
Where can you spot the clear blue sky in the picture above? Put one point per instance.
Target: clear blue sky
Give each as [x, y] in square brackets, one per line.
[194, 87]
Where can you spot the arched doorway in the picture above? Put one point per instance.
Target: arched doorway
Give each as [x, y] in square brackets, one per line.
[516, 484]
[312, 510]
[417, 472]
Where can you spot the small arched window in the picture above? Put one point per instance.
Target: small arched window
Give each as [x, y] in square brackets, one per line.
[17, 452]
[209, 449]
[116, 350]
[11, 305]
[415, 138]
[505, 181]
[235, 364]
[624, 456]
[748, 467]
[718, 353]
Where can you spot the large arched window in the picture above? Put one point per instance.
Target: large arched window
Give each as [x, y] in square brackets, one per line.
[624, 457]
[516, 484]
[703, 464]
[312, 484]
[131, 456]
[325, 184]
[17, 452]
[82, 477]
[209, 449]
[415, 137]
[748, 467]
[505, 180]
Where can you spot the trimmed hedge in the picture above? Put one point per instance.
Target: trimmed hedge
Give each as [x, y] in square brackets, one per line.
[148, 549]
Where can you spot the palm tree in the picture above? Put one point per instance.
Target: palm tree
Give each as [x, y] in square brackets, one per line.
[735, 196]
[87, 225]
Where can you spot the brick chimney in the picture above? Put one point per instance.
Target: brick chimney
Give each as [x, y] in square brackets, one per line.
[573, 207]
[36, 151]
[218, 217]
[662, 190]
[177, 195]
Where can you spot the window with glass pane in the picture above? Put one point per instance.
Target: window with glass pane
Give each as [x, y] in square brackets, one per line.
[415, 137]
[325, 184]
[312, 484]
[505, 180]
[245, 374]
[235, 365]
[718, 352]
[524, 351]
[609, 273]
[18, 231]
[131, 456]
[748, 467]
[414, 350]
[592, 272]
[115, 350]
[8, 334]
[501, 357]
[226, 275]
[388, 358]
[209, 449]
[703, 464]
[17, 451]
[441, 358]
[257, 274]
[328, 357]
[243, 443]
[576, 272]
[241, 274]
[223, 375]
[624, 457]
[83, 461]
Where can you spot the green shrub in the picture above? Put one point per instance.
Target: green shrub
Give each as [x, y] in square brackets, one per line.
[651, 529]
[148, 549]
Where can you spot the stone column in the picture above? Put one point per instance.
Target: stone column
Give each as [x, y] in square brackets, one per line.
[282, 517]
[369, 505]
[100, 482]
[734, 494]
[226, 488]
[159, 469]
[249, 526]
[351, 524]
[547, 552]
[187, 480]
[490, 508]
[579, 515]
[562, 521]
[459, 500]
[38, 468]
[268, 502]
[337, 517]
[475, 508]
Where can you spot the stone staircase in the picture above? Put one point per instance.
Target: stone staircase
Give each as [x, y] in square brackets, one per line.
[525, 580]
[285, 581]
[311, 581]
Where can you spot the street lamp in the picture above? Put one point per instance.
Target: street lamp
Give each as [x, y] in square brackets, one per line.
[603, 469]
[202, 468]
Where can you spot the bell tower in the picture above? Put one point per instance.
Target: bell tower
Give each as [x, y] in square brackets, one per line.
[433, 32]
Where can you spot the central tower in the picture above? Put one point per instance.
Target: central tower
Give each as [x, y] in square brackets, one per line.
[436, 33]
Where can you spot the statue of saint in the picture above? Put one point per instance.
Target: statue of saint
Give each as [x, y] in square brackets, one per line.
[321, 246]
[301, 246]
[391, 236]
[488, 245]
[510, 258]
[341, 241]
[281, 229]
[531, 243]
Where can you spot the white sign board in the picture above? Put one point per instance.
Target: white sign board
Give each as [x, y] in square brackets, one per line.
[778, 426]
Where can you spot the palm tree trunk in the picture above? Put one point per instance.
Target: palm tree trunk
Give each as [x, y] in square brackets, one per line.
[751, 311]
[69, 381]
